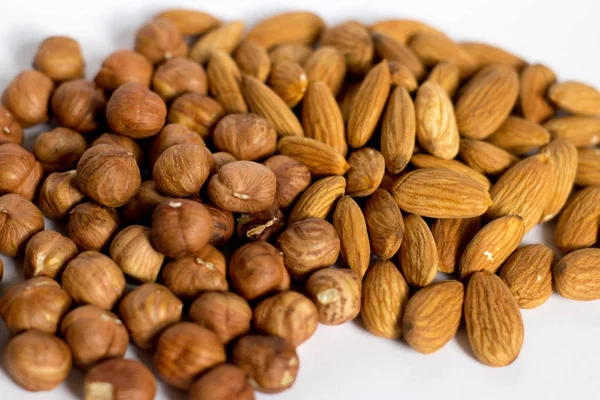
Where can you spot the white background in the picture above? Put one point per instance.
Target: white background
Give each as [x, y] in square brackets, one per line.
[560, 357]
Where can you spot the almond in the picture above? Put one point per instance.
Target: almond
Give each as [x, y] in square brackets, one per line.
[418, 256]
[320, 158]
[519, 136]
[295, 52]
[318, 200]
[384, 224]
[403, 29]
[224, 78]
[328, 65]
[347, 98]
[486, 101]
[576, 98]
[486, 54]
[225, 37]
[494, 322]
[588, 167]
[432, 316]
[447, 75]
[400, 75]
[578, 224]
[535, 81]
[292, 27]
[351, 227]
[353, 40]
[289, 81]
[385, 294]
[451, 237]
[427, 161]
[253, 60]
[577, 275]
[563, 159]
[367, 167]
[435, 48]
[398, 130]
[485, 157]
[190, 22]
[581, 131]
[390, 49]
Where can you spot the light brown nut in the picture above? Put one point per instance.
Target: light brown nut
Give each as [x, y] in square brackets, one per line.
[20, 173]
[353, 40]
[290, 27]
[160, 40]
[189, 21]
[225, 37]
[224, 381]
[124, 66]
[403, 29]
[181, 170]
[171, 135]
[318, 200]
[78, 105]
[327, 65]
[349, 222]
[451, 237]
[336, 293]
[59, 194]
[347, 98]
[384, 224]
[256, 269]
[292, 176]
[246, 136]
[20, 219]
[290, 52]
[564, 161]
[253, 59]
[10, 130]
[321, 159]
[485, 54]
[446, 75]
[581, 131]
[289, 81]
[588, 167]
[534, 83]
[485, 157]
[400, 75]
[27, 97]
[198, 112]
[433, 48]
[141, 207]
[92, 226]
[390, 49]
[519, 136]
[576, 98]
[427, 161]
[123, 379]
[225, 313]
[418, 255]
[367, 167]
[224, 78]
[398, 130]
[60, 58]
[576, 275]
[578, 224]
[133, 252]
[178, 76]
[47, 254]
[124, 142]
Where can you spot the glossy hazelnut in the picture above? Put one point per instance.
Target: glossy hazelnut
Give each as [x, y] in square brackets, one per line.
[92, 226]
[170, 135]
[246, 136]
[198, 112]
[37, 361]
[94, 334]
[119, 379]
[124, 66]
[37, 303]
[337, 294]
[109, 175]
[59, 194]
[260, 225]
[220, 159]
[184, 350]
[178, 76]
[160, 40]
[27, 97]
[124, 142]
[20, 219]
[181, 227]
[93, 278]
[223, 382]
[223, 225]
[225, 313]
[20, 172]
[255, 269]
[292, 177]
[141, 207]
[181, 170]
[270, 362]
[47, 254]
[10, 130]
[59, 150]
[147, 311]
[134, 111]
[60, 58]
[133, 252]
[78, 105]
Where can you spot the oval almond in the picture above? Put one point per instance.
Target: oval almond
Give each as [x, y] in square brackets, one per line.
[291, 27]
[576, 98]
[384, 224]
[452, 235]
[578, 224]
[318, 200]
[418, 256]
[519, 136]
[319, 158]
[534, 83]
[577, 275]
[398, 130]
[350, 224]
[563, 159]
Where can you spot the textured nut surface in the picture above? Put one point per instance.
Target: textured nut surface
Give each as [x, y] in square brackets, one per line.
[337, 294]
[124, 66]
[292, 178]
[121, 380]
[60, 58]
[78, 105]
[19, 221]
[349, 222]
[59, 194]
[418, 255]
[178, 76]
[451, 237]
[223, 225]
[256, 269]
[124, 142]
[59, 149]
[160, 39]
[578, 224]
[27, 97]
[182, 169]
[576, 275]
[367, 167]
[246, 136]
[20, 173]
[132, 251]
[92, 226]
[224, 382]
[198, 112]
[47, 254]
[10, 130]
[384, 224]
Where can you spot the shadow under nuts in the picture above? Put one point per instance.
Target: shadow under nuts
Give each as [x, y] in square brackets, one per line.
[47, 254]
[92, 226]
[181, 170]
[122, 379]
[141, 207]
[256, 269]
[20, 219]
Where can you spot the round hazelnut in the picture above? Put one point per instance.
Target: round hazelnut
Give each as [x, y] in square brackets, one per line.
[124, 66]
[181, 170]
[37, 303]
[109, 175]
[246, 136]
[243, 186]
[286, 281]
[124, 142]
[132, 250]
[60, 58]
[160, 40]
[367, 167]
[94, 334]
[134, 111]
[220, 159]
[223, 225]
[27, 97]
[181, 227]
[59, 149]
[119, 379]
[223, 382]
[78, 105]
[178, 76]
[147, 311]
[171, 135]
[184, 350]
[59, 194]
[336, 293]
[292, 176]
[37, 360]
[93, 278]
[260, 225]
[270, 362]
[141, 207]
[20, 219]
[256, 269]
[20, 172]
[309, 245]
[198, 112]
[10, 130]
[92, 226]
[47, 254]
[225, 313]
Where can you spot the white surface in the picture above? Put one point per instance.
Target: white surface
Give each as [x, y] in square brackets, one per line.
[560, 357]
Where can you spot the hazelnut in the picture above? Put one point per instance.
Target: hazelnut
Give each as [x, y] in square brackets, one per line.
[59, 149]
[37, 303]
[78, 105]
[190, 276]
[147, 311]
[292, 176]
[223, 224]
[109, 175]
[367, 168]
[92, 226]
[171, 135]
[198, 112]
[181, 170]
[1, 270]
[27, 97]
[246, 136]
[134, 111]
[285, 281]
[93, 278]
[270, 362]
[160, 40]
[336, 293]
[59, 194]
[184, 350]
[261, 225]
[37, 360]
[181, 227]
[225, 313]
[256, 269]
[178, 76]
[220, 159]
[60, 58]
[124, 66]
[223, 382]
[47, 254]
[94, 334]
[20, 219]
[141, 207]
[119, 379]
[124, 142]
[289, 315]
[20, 172]
[132, 250]
[243, 186]
[10, 130]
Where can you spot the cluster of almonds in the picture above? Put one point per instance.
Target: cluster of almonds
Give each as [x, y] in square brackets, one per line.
[230, 199]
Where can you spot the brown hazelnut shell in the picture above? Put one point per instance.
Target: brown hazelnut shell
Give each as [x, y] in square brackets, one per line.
[27, 97]
[170, 135]
[59, 150]
[10, 130]
[92, 226]
[141, 207]
[160, 40]
[198, 112]
[223, 382]
[122, 379]
[337, 294]
[20, 219]
[59, 194]
[78, 105]
[292, 176]
[124, 142]
[181, 170]
[60, 58]
[20, 172]
[133, 252]
[256, 269]
[220, 159]
[47, 254]
[246, 136]
[178, 76]
[124, 66]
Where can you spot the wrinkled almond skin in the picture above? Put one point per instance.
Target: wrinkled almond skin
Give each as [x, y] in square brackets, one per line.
[347, 98]
[319, 199]
[253, 60]
[246, 136]
[535, 81]
[20, 219]
[581, 131]
[336, 293]
[225, 313]
[292, 177]
[564, 161]
[390, 49]
[384, 224]
[576, 98]
[223, 382]
[427, 161]
[578, 224]
[290, 52]
[291, 27]
[519, 136]
[432, 316]
[181, 170]
[418, 254]
[47, 254]
[398, 130]
[352, 40]
[256, 269]
[91, 226]
[494, 322]
[433, 48]
[485, 157]
[126, 379]
[27, 97]
[225, 37]
[400, 75]
[289, 81]
[189, 21]
[327, 65]
[403, 29]
[367, 167]
[159, 40]
[198, 112]
[224, 79]
[178, 76]
[485, 54]
[576, 275]
[446, 75]
[124, 66]
[451, 236]
[349, 222]
[321, 159]
[588, 167]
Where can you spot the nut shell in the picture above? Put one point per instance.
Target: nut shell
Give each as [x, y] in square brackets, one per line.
[59, 149]
[59, 194]
[27, 97]
[132, 251]
[178, 76]
[10, 130]
[223, 382]
[336, 293]
[121, 380]
[47, 254]
[256, 269]
[92, 226]
[124, 142]
[160, 40]
[124, 66]
[170, 135]
[198, 112]
[20, 219]
[78, 105]
[292, 178]
[181, 170]
[60, 58]
[246, 136]
[19, 171]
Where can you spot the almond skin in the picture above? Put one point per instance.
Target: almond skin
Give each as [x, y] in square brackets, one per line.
[427, 161]
[578, 224]
[576, 98]
[588, 167]
[432, 316]
[253, 60]
[519, 136]
[403, 29]
[398, 130]
[384, 224]
[328, 65]
[350, 224]
[318, 200]
[224, 37]
[289, 81]
[352, 39]
[190, 22]
[292, 27]
[485, 54]
[485, 157]
[367, 167]
[435, 48]
[291, 52]
[534, 83]
[576, 275]
[390, 49]
[321, 159]
[581, 131]
[447, 75]
[563, 159]
[224, 78]
[451, 238]
[418, 256]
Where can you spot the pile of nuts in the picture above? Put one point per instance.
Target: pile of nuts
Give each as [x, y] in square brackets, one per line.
[210, 179]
